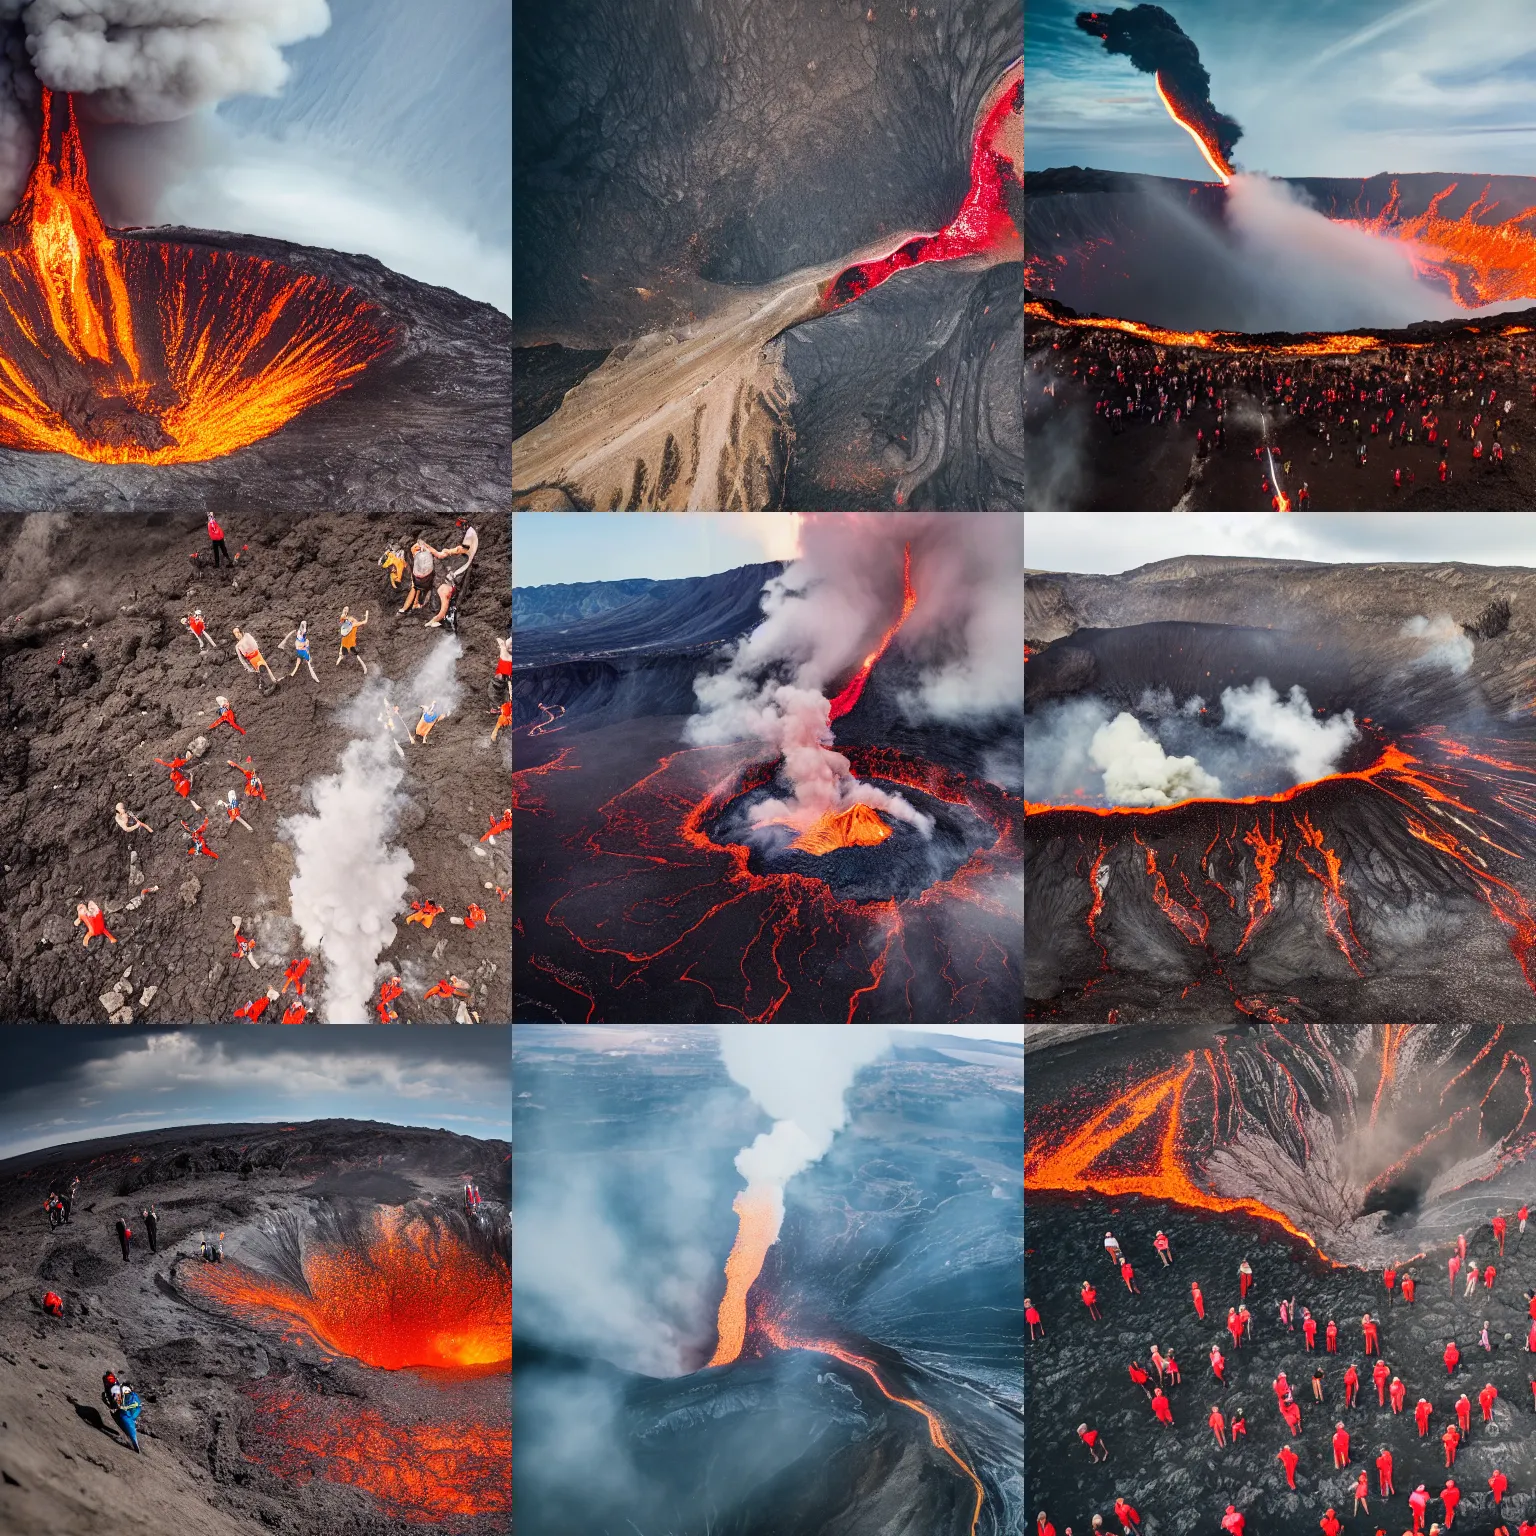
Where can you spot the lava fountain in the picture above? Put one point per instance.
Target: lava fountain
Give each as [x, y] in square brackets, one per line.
[760, 1211]
[415, 1296]
[128, 350]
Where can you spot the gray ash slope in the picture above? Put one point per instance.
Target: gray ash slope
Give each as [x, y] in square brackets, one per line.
[65, 1470]
[107, 595]
[427, 428]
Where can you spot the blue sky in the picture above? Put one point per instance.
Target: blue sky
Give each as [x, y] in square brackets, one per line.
[68, 1085]
[1321, 87]
[615, 546]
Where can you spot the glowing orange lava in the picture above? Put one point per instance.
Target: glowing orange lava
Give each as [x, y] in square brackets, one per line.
[775, 1331]
[1320, 345]
[850, 695]
[415, 1297]
[1207, 147]
[858, 827]
[437, 1473]
[759, 1216]
[131, 351]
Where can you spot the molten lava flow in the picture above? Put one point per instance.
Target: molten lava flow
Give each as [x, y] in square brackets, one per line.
[126, 351]
[1191, 921]
[1203, 141]
[774, 1330]
[983, 223]
[1096, 1155]
[857, 827]
[1391, 1044]
[1335, 902]
[440, 1473]
[850, 695]
[1319, 345]
[414, 1297]
[522, 798]
[546, 723]
[759, 1213]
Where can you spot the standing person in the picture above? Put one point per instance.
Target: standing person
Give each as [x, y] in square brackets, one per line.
[1159, 1364]
[1218, 1364]
[1232, 1522]
[348, 628]
[504, 658]
[1484, 1340]
[1164, 1250]
[453, 581]
[422, 557]
[1091, 1301]
[1461, 1247]
[1389, 1279]
[1521, 1216]
[1384, 1472]
[1379, 1376]
[1235, 1327]
[1309, 1328]
[1497, 1484]
[1397, 1393]
[1486, 1399]
[1285, 1313]
[198, 628]
[1500, 1226]
[151, 1226]
[1453, 1268]
[124, 1237]
[1112, 1248]
[1198, 1297]
[1237, 1425]
[1032, 1317]
[1162, 1408]
[1245, 1324]
[1362, 1491]
[1351, 1385]
[1244, 1279]
[1290, 1411]
[90, 913]
[1450, 1440]
[248, 649]
[1452, 1357]
[1418, 1502]
[1473, 1276]
[124, 1406]
[301, 657]
[1218, 1427]
[1450, 1496]
[216, 539]
[1172, 1367]
[1140, 1377]
[1409, 1286]
[1126, 1514]
[1288, 1459]
[1331, 1337]
[1488, 1277]
[1372, 1339]
[1421, 1414]
[1340, 1445]
[1097, 1451]
[1330, 1523]
[1317, 1386]
[1464, 1413]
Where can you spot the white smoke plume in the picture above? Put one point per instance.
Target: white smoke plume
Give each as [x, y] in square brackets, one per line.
[1445, 643]
[350, 882]
[828, 610]
[1288, 727]
[1137, 771]
[799, 1074]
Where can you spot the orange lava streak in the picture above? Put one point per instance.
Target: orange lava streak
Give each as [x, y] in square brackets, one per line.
[1391, 1044]
[176, 354]
[775, 1332]
[1192, 924]
[859, 826]
[1213, 155]
[1266, 855]
[532, 805]
[1068, 1161]
[413, 1299]
[1335, 903]
[759, 1215]
[1320, 345]
[850, 695]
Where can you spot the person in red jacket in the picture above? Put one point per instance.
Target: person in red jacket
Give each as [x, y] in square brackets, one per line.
[1528, 1528]
[1032, 1317]
[1309, 1328]
[1461, 1247]
[1245, 1317]
[53, 1304]
[1290, 1411]
[1363, 1492]
[1380, 1376]
[1372, 1338]
[1452, 1357]
[1497, 1484]
[1384, 1472]
[1521, 1215]
[1330, 1524]
[1421, 1415]
[1351, 1385]
[1171, 1366]
[1164, 1249]
[1126, 1515]
[1094, 1441]
[1232, 1522]
[1389, 1279]
[1418, 1502]
[1450, 1496]
[1331, 1337]
[1218, 1364]
[1453, 1268]
[1450, 1440]
[1198, 1297]
[1129, 1276]
[1340, 1445]
[1464, 1414]
[1218, 1427]
[1282, 1387]
[1500, 1226]
[1237, 1425]
[1043, 1526]
[1140, 1377]
[1489, 1276]
[1235, 1327]
[1091, 1301]
[1409, 1286]
[1244, 1279]
[1288, 1459]
[1161, 1407]
[1397, 1392]
[1486, 1399]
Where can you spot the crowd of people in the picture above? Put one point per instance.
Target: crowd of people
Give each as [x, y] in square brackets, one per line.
[1456, 402]
[1347, 1477]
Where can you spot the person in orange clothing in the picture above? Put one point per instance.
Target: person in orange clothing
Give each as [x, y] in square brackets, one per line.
[1380, 1376]
[1340, 1445]
[1091, 1301]
[503, 823]
[1384, 1472]
[1397, 1392]
[1331, 1337]
[1330, 1524]
[503, 719]
[1195, 1295]
[1464, 1414]
[1362, 1492]
[199, 842]
[1351, 1385]
[225, 717]
[1486, 1399]
[1409, 1285]
[1450, 1496]
[1162, 1408]
[1421, 1414]
[424, 912]
[90, 914]
[293, 976]
[1372, 1338]
[1452, 1355]
[1450, 1440]
[254, 1009]
[1218, 1425]
[1235, 1327]
[1489, 1276]
[294, 1013]
[1282, 1388]
[1497, 1484]
[1237, 1425]
[1288, 1459]
[475, 916]
[388, 992]
[449, 986]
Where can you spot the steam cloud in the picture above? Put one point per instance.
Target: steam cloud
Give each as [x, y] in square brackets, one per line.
[828, 609]
[1447, 645]
[800, 1075]
[1263, 743]
[350, 882]
[1156, 44]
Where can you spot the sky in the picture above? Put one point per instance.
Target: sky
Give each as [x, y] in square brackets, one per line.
[1321, 87]
[615, 546]
[1110, 542]
[392, 137]
[69, 1085]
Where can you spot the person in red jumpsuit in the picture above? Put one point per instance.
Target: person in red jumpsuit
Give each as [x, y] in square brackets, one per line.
[1452, 1357]
[1126, 1514]
[1363, 1492]
[1372, 1338]
[1309, 1330]
[1164, 1248]
[1486, 1399]
[1380, 1376]
[1218, 1364]
[1094, 1441]
[294, 976]
[1450, 1496]
[1331, 1337]
[91, 915]
[1450, 1440]
[1464, 1414]
[1351, 1385]
[1453, 1268]
[1237, 1425]
[1340, 1445]
[227, 717]
[1244, 1280]
[1421, 1414]
[1198, 1297]
[1127, 1274]
[1384, 1472]
[1232, 1522]
[199, 842]
[1091, 1301]
[1398, 1393]
[1409, 1286]
[1497, 1484]
[1418, 1502]
[1330, 1524]
[53, 1304]
[1043, 1526]
[1162, 1408]
[1290, 1410]
[1218, 1425]
[1288, 1459]
[1140, 1377]
[1032, 1317]
[1500, 1226]
[388, 992]
[294, 1012]
[1489, 1276]
[1282, 1387]
[1389, 1279]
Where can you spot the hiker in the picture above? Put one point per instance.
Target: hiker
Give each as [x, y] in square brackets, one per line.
[503, 823]
[1384, 1472]
[216, 539]
[128, 821]
[1362, 1492]
[1464, 1414]
[1453, 1268]
[232, 810]
[1162, 1408]
[124, 1406]
[151, 1226]
[1331, 1337]
[1237, 1425]
[424, 912]
[1497, 1484]
[300, 638]
[1218, 1427]
[1450, 1496]
[294, 976]
[1351, 1385]
[1389, 1279]
[53, 1304]
[1244, 1279]
[1421, 1414]
[1379, 1376]
[348, 628]
[1141, 1377]
[198, 627]
[1486, 1399]
[1218, 1364]
[1372, 1339]
[1450, 1440]
[1317, 1386]
[1290, 1411]
[1408, 1287]
[1288, 1459]
[1489, 1275]
[453, 581]
[1309, 1328]
[1091, 1438]
[1245, 1320]
[124, 1237]
[248, 649]
[1032, 1317]
[1521, 1215]
[1397, 1393]
[180, 782]
[199, 842]
[253, 784]
[388, 992]
[295, 1011]
[1196, 1295]
[1418, 1502]
[504, 659]
[1473, 1276]
[474, 915]
[430, 716]
[1500, 1226]
[422, 557]
[1340, 1445]
[245, 946]
[1452, 1357]
[454, 986]
[1484, 1340]
[226, 716]
[1091, 1301]
[1126, 1514]
[1232, 1522]
[90, 914]
[393, 561]
[254, 1009]
[504, 722]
